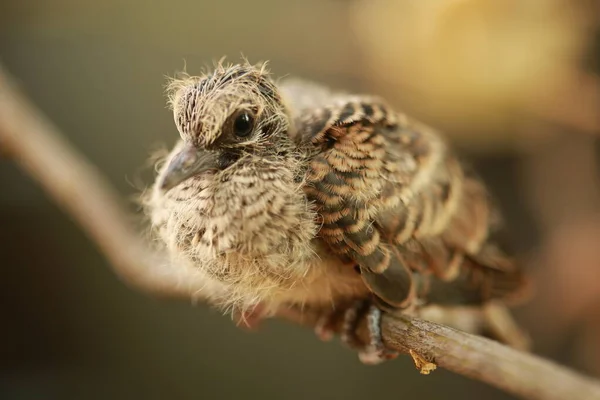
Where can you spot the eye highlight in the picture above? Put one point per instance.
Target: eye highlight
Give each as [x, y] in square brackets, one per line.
[243, 124]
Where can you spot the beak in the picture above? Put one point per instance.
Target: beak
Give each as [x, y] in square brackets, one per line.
[189, 162]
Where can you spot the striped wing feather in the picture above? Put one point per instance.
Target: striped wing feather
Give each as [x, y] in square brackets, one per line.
[394, 200]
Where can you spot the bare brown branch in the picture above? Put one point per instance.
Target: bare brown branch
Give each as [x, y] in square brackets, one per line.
[37, 146]
[520, 373]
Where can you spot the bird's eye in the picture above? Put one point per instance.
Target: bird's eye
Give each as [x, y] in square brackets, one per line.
[243, 124]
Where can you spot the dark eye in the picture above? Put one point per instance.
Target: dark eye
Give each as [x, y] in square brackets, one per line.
[243, 124]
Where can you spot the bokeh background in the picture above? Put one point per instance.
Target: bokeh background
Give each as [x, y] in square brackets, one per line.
[514, 84]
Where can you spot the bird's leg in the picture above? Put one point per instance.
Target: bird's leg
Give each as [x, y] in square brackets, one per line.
[325, 327]
[328, 323]
[373, 352]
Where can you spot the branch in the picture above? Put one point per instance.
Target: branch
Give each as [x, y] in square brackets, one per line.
[522, 374]
[37, 146]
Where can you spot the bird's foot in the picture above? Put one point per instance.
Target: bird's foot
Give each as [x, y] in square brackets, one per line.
[325, 328]
[371, 353]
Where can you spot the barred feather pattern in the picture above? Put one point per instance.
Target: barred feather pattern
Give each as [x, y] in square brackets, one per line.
[395, 200]
[332, 197]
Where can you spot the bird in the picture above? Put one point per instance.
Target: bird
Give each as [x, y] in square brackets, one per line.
[288, 193]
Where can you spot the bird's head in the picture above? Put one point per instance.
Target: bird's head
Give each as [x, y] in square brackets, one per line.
[227, 114]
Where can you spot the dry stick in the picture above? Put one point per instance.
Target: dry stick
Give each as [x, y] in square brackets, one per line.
[83, 193]
[522, 374]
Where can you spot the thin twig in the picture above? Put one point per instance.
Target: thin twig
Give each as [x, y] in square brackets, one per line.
[522, 374]
[78, 187]
[83, 193]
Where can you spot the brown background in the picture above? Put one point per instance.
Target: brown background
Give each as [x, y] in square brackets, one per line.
[70, 329]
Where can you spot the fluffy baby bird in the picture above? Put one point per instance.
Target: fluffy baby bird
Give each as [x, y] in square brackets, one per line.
[290, 194]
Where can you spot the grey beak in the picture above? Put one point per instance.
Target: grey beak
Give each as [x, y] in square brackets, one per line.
[189, 162]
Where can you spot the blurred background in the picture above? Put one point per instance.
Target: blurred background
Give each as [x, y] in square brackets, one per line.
[514, 84]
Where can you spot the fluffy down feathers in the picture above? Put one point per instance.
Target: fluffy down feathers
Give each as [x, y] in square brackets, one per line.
[332, 197]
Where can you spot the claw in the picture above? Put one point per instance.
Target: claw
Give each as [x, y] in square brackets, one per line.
[352, 317]
[324, 329]
[370, 353]
[374, 352]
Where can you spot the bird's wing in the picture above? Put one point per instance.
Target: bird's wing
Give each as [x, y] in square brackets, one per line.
[394, 200]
